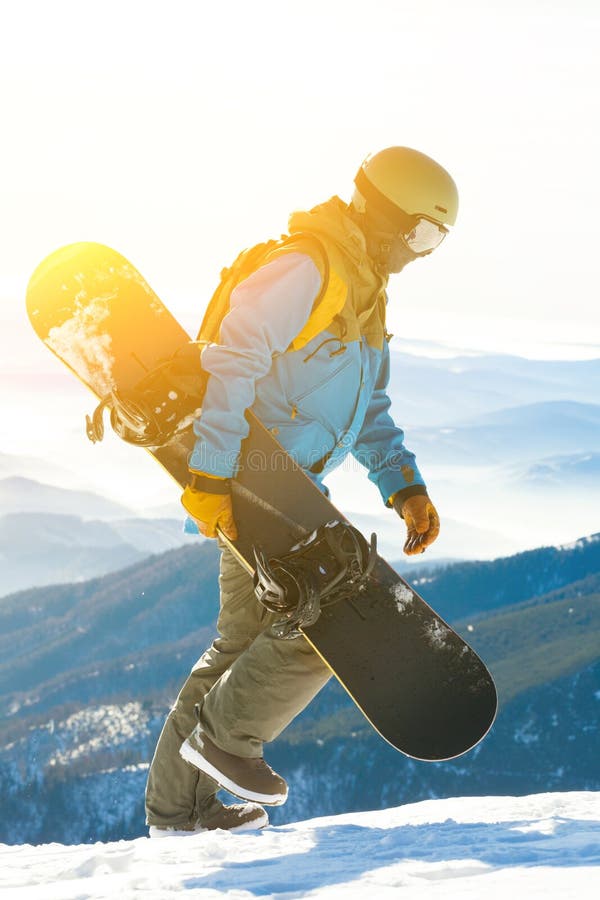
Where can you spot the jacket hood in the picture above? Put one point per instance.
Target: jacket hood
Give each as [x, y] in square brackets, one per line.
[332, 222]
[347, 247]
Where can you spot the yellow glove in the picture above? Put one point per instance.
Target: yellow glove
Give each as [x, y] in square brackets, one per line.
[422, 522]
[210, 508]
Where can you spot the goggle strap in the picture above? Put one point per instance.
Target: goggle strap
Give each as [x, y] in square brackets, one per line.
[400, 219]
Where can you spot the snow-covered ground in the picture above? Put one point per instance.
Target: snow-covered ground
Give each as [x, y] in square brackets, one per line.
[542, 846]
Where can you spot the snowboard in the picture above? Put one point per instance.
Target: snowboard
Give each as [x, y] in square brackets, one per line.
[419, 684]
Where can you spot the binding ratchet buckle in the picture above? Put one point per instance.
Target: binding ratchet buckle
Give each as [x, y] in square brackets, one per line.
[333, 563]
[162, 404]
[133, 420]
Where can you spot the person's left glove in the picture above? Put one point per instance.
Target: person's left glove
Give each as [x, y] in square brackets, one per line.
[422, 522]
[208, 501]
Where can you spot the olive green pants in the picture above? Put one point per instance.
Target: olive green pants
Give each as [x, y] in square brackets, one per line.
[249, 684]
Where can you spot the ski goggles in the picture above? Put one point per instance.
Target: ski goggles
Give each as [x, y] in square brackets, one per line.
[424, 235]
[420, 234]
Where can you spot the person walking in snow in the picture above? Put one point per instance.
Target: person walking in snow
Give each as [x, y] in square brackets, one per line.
[305, 347]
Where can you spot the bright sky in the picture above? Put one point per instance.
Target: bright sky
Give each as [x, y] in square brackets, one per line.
[180, 132]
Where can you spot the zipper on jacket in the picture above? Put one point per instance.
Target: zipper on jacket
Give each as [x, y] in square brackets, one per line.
[317, 387]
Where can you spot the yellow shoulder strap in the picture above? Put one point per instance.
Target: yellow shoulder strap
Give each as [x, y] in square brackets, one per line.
[332, 297]
[328, 303]
[218, 306]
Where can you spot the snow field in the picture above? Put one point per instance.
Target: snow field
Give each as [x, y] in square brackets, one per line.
[541, 846]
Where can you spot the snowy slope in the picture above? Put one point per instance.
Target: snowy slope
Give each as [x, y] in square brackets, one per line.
[542, 846]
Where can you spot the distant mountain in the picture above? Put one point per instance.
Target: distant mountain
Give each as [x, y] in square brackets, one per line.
[155, 535]
[95, 667]
[433, 392]
[53, 535]
[472, 588]
[483, 427]
[171, 510]
[580, 416]
[423, 382]
[458, 540]
[32, 467]
[19, 495]
[40, 548]
[561, 473]
[517, 434]
[135, 613]
[44, 633]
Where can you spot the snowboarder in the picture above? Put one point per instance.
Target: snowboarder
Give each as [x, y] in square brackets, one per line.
[304, 345]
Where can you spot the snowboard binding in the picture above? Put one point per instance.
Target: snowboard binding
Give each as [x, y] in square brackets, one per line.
[163, 403]
[333, 563]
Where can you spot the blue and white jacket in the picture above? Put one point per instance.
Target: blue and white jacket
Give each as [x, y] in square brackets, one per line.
[323, 395]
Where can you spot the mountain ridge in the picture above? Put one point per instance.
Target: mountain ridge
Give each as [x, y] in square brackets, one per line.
[87, 728]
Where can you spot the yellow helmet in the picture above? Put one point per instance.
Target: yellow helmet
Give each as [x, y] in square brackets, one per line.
[399, 181]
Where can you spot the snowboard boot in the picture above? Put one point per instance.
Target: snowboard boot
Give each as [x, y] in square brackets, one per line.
[248, 778]
[239, 817]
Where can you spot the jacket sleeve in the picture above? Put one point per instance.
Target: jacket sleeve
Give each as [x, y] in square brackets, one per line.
[267, 311]
[380, 444]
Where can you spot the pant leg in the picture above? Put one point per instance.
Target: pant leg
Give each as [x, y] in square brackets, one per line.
[264, 689]
[176, 793]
